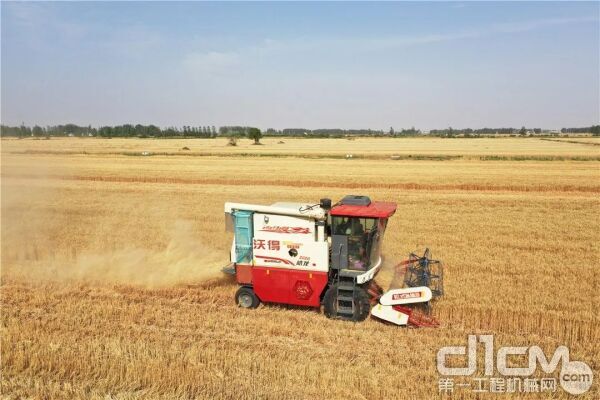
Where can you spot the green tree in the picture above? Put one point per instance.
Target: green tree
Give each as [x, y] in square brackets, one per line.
[70, 129]
[24, 130]
[140, 130]
[37, 131]
[154, 131]
[523, 131]
[106, 131]
[255, 134]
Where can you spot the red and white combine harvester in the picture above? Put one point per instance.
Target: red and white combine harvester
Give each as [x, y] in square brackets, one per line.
[313, 255]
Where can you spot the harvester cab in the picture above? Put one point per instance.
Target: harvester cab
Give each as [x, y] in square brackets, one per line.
[323, 255]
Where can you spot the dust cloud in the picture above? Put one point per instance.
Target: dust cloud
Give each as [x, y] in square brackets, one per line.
[389, 277]
[47, 236]
[185, 260]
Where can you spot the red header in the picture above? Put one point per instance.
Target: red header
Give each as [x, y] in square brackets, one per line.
[377, 209]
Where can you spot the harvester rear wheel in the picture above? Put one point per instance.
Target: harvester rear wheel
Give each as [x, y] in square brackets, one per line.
[246, 298]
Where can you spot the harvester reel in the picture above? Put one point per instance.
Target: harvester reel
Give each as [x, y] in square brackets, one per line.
[423, 271]
[411, 305]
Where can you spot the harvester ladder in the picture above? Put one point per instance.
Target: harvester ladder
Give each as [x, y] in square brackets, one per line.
[345, 296]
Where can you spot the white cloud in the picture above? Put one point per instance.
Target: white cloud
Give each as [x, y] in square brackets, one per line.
[211, 63]
[39, 18]
[391, 42]
[28, 15]
[131, 40]
[524, 26]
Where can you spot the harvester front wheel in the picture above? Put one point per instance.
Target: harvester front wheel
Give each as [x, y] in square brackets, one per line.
[361, 304]
[246, 298]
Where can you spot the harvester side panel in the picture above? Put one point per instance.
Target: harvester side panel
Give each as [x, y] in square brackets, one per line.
[243, 274]
[271, 284]
[283, 241]
[289, 286]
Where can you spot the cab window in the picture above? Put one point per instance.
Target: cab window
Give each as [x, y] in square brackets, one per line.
[362, 239]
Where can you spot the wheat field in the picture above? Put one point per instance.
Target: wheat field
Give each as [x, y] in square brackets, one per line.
[111, 283]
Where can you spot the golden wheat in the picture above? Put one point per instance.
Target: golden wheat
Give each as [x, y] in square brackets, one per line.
[105, 261]
[298, 146]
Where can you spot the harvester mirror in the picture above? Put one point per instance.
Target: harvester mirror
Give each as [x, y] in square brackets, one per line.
[325, 204]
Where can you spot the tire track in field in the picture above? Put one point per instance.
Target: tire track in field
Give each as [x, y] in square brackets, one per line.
[321, 156]
[571, 141]
[316, 184]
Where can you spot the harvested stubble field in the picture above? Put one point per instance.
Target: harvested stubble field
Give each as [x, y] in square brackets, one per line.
[110, 264]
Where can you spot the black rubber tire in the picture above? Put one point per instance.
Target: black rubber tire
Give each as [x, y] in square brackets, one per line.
[246, 298]
[362, 305]
[329, 302]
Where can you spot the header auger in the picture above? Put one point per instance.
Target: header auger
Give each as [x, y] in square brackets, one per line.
[323, 255]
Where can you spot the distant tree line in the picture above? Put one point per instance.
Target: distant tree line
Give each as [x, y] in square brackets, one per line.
[449, 132]
[126, 130]
[233, 131]
[468, 132]
[237, 131]
[340, 132]
[594, 129]
[38, 131]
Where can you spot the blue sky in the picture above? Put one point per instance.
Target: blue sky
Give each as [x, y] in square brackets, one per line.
[310, 65]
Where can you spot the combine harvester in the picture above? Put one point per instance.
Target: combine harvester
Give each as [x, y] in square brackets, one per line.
[313, 255]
